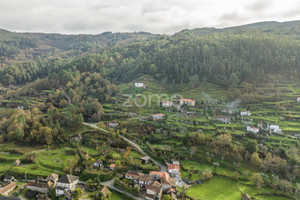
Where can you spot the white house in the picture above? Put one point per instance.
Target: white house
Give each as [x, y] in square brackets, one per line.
[39, 186]
[298, 99]
[153, 191]
[176, 162]
[66, 182]
[134, 175]
[167, 104]
[158, 116]
[145, 180]
[245, 113]
[189, 102]
[252, 129]
[274, 129]
[174, 169]
[139, 85]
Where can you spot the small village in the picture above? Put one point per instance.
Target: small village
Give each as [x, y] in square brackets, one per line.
[137, 165]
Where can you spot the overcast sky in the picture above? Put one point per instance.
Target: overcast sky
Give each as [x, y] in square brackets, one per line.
[156, 16]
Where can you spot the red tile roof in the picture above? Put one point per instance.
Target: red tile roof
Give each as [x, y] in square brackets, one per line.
[187, 100]
[174, 166]
[7, 187]
[169, 190]
[112, 165]
[154, 188]
[38, 184]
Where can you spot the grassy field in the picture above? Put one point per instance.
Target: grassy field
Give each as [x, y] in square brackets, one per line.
[225, 189]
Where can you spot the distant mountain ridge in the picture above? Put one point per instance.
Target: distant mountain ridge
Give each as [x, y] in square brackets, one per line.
[266, 26]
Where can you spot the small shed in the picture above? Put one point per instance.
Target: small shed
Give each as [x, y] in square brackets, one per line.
[17, 163]
[145, 159]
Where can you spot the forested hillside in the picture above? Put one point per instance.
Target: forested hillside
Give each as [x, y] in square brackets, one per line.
[263, 52]
[18, 47]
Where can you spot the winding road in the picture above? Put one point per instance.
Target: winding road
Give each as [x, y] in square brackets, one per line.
[139, 149]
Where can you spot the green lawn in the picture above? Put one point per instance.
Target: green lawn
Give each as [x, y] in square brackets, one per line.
[225, 189]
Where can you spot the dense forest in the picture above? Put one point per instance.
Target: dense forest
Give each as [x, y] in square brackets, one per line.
[224, 57]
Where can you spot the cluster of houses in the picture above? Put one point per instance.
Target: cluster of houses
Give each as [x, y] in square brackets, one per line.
[169, 104]
[251, 128]
[157, 183]
[64, 185]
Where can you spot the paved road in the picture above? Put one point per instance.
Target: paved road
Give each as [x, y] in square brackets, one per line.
[110, 185]
[162, 167]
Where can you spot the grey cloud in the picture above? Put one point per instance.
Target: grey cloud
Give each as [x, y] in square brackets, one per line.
[157, 16]
[260, 6]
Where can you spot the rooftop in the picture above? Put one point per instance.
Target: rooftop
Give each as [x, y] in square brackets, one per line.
[68, 179]
[174, 166]
[7, 187]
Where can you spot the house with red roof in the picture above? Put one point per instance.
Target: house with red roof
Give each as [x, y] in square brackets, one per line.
[112, 166]
[158, 116]
[7, 189]
[174, 169]
[188, 102]
[153, 191]
[252, 129]
[165, 179]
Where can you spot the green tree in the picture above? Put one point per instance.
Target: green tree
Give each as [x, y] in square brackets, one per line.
[257, 180]
[251, 146]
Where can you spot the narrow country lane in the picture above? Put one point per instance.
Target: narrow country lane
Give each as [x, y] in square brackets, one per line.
[162, 167]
